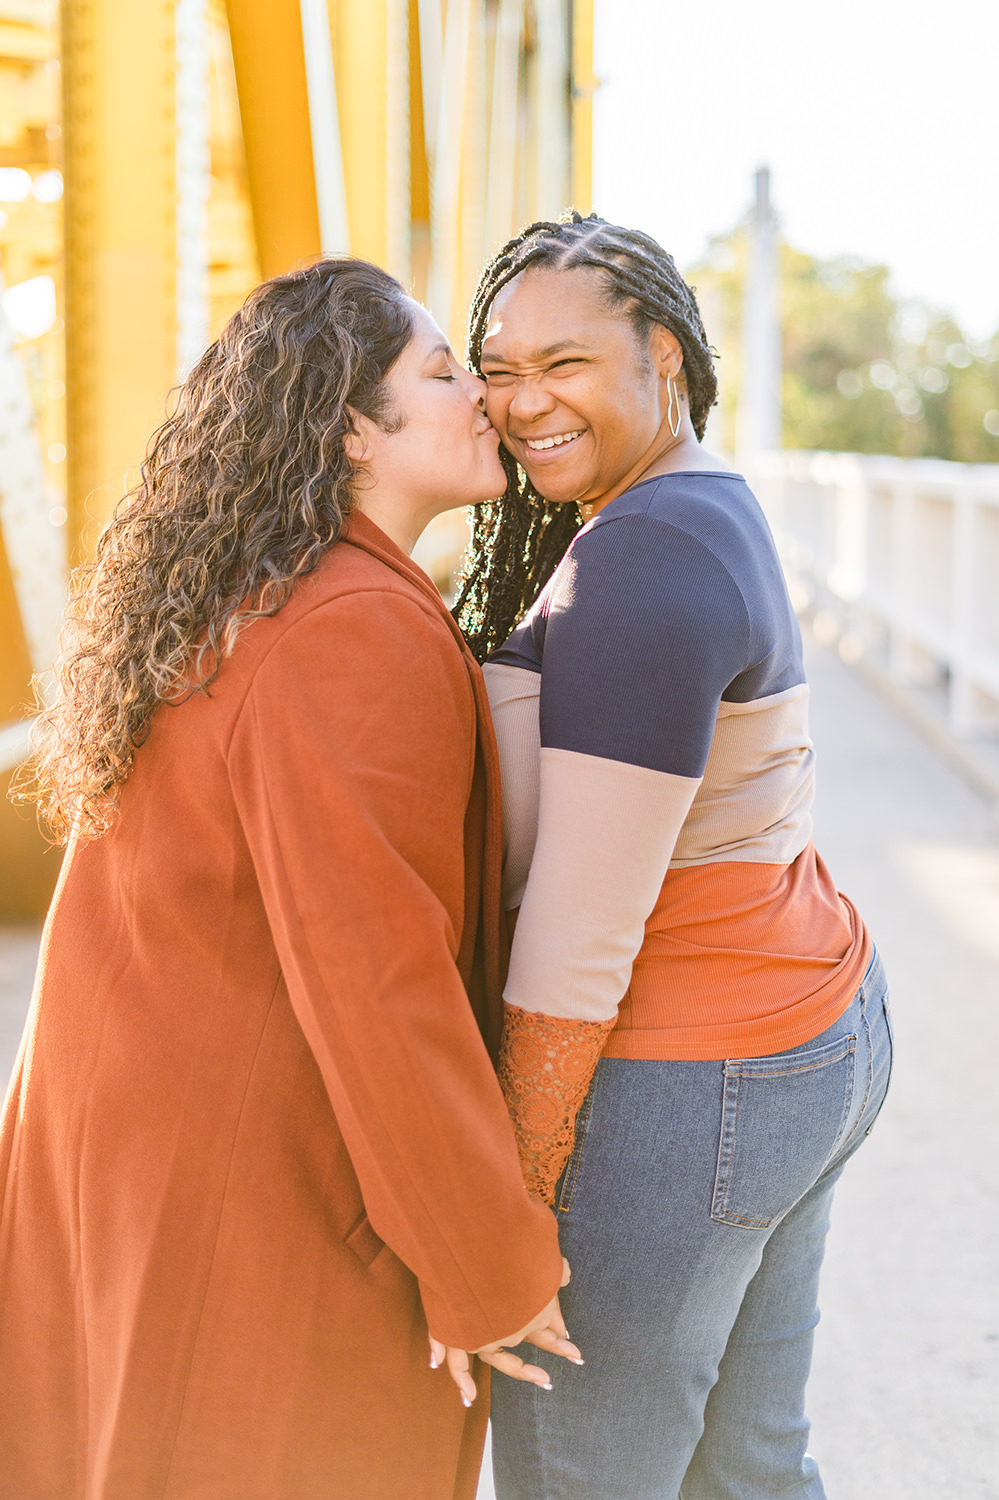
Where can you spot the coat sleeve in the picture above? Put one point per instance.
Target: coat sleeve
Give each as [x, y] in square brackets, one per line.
[351, 764]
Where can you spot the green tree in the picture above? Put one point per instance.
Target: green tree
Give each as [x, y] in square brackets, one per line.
[862, 372]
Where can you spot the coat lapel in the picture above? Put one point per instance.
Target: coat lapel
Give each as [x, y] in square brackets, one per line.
[361, 532]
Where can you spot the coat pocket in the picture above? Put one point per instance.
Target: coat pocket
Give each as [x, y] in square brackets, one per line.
[363, 1241]
[782, 1118]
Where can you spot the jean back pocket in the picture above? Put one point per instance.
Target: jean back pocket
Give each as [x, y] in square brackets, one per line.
[782, 1119]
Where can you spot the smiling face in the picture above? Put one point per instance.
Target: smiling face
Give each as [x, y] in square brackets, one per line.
[576, 398]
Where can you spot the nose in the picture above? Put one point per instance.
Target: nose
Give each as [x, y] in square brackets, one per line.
[474, 387]
[530, 400]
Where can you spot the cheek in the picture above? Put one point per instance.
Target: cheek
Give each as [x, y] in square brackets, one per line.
[497, 404]
[625, 423]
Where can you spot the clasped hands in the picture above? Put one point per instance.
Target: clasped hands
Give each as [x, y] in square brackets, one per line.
[547, 1331]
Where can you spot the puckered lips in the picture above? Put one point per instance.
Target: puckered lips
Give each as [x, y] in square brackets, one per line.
[552, 446]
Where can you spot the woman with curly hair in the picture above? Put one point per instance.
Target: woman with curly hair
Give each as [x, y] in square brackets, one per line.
[254, 1144]
[696, 1033]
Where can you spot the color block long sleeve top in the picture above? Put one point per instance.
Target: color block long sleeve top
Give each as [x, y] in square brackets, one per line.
[658, 776]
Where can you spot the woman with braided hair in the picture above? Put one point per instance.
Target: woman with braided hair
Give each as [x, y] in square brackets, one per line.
[696, 1034]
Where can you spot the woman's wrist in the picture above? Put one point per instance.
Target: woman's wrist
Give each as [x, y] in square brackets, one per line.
[545, 1067]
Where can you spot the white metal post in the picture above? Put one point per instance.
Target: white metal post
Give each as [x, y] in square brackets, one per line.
[552, 74]
[501, 178]
[961, 698]
[324, 128]
[397, 166]
[758, 424]
[33, 521]
[903, 520]
[445, 173]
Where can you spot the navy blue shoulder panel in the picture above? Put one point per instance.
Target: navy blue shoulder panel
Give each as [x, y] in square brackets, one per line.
[671, 600]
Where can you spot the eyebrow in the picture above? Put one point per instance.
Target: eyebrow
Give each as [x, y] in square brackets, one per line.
[441, 348]
[545, 353]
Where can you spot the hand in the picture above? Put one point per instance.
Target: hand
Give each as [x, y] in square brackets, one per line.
[547, 1331]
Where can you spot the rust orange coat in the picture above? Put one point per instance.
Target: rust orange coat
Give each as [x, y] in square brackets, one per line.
[254, 1135]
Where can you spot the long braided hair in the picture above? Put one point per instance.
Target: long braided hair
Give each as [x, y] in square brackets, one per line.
[517, 541]
[245, 486]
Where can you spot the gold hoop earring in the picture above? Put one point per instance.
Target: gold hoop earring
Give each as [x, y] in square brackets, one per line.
[673, 396]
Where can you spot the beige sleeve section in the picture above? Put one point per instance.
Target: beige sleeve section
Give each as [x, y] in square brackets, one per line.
[513, 699]
[755, 802]
[606, 832]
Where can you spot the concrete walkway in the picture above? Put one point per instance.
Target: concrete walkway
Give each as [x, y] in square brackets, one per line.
[905, 1395]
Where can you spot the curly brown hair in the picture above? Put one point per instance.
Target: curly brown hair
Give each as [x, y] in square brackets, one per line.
[245, 486]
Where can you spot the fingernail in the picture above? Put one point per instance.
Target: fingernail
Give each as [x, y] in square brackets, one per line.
[579, 1361]
[547, 1387]
[433, 1362]
[465, 1401]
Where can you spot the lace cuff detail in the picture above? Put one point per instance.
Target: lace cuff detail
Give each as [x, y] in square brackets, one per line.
[545, 1067]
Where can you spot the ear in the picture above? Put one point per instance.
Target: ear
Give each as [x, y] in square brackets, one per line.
[358, 444]
[665, 351]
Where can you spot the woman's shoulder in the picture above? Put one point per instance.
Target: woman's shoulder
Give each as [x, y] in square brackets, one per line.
[361, 580]
[356, 606]
[690, 515]
[699, 502]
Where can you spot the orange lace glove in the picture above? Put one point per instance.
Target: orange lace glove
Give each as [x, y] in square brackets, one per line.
[545, 1067]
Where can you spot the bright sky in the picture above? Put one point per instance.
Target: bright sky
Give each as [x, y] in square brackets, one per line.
[879, 120]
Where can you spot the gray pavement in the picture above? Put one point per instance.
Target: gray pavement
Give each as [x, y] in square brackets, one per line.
[904, 1392]
[905, 1396]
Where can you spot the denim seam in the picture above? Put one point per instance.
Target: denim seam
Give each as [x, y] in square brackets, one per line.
[726, 1145]
[832, 1052]
[869, 1082]
[576, 1158]
[870, 1052]
[847, 1103]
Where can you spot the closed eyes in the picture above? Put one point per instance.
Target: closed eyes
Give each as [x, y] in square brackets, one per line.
[499, 377]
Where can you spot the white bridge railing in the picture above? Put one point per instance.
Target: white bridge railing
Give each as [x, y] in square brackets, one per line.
[905, 552]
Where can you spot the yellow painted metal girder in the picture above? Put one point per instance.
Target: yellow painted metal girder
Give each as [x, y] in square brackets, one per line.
[28, 869]
[360, 35]
[119, 83]
[375, 47]
[269, 61]
[583, 86]
[419, 171]
[15, 664]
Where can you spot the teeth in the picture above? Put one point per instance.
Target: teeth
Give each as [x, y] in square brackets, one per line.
[554, 442]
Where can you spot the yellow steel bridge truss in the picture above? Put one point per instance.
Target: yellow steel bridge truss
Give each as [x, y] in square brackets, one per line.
[203, 144]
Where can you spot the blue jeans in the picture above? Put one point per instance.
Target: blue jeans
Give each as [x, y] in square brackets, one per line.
[693, 1212]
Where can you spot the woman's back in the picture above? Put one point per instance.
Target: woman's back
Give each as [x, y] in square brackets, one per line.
[665, 651]
[694, 1041]
[194, 1296]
